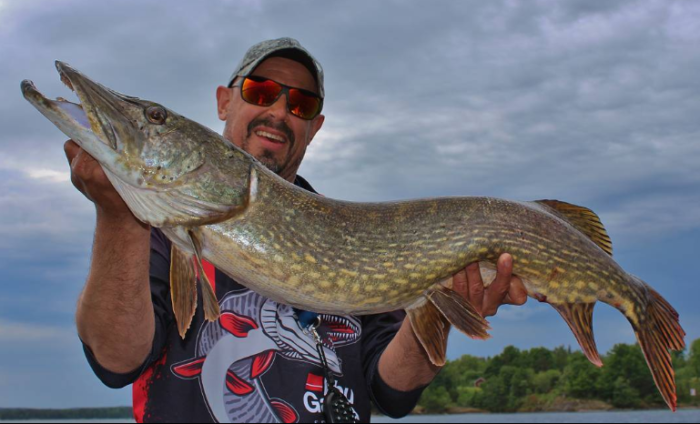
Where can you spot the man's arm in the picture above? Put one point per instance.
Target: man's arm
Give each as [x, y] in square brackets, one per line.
[115, 315]
[405, 366]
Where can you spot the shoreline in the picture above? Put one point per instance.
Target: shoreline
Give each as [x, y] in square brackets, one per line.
[118, 413]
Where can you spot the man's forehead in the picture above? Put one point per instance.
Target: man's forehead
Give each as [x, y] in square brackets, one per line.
[288, 72]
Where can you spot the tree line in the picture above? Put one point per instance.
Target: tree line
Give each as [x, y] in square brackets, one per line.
[532, 380]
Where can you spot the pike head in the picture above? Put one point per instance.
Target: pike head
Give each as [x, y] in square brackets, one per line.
[170, 170]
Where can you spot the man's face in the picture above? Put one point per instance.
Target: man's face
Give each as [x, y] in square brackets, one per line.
[257, 129]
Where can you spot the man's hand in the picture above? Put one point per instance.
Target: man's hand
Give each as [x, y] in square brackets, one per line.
[89, 178]
[506, 289]
[405, 366]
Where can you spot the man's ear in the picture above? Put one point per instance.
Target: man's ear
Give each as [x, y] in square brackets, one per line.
[316, 125]
[223, 98]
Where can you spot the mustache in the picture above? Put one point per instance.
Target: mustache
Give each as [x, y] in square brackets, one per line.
[279, 126]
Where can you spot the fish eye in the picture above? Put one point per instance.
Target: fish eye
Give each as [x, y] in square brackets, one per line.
[156, 115]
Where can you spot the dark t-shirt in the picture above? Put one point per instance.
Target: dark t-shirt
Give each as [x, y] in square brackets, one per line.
[256, 364]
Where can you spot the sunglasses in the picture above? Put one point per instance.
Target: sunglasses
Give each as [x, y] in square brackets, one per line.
[265, 92]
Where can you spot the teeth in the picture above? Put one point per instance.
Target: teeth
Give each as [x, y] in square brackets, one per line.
[270, 136]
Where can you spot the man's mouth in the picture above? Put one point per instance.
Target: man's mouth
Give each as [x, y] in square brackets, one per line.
[271, 137]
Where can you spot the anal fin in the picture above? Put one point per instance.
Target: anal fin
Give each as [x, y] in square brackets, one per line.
[459, 312]
[431, 328]
[579, 316]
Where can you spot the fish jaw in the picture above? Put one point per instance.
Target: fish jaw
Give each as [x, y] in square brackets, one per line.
[74, 122]
[170, 171]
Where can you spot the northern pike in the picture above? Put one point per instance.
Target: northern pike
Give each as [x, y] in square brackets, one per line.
[216, 202]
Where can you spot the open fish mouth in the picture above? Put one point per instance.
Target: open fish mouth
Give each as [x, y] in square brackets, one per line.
[84, 119]
[74, 111]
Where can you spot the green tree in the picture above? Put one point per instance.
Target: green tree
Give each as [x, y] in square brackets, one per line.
[624, 395]
[510, 357]
[435, 399]
[581, 377]
[545, 382]
[520, 386]
[560, 358]
[694, 359]
[495, 395]
[627, 362]
[470, 397]
[539, 359]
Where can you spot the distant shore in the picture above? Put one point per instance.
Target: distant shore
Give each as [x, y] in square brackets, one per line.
[7, 414]
[15, 414]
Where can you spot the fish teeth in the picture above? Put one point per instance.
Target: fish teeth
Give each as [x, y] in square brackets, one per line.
[270, 136]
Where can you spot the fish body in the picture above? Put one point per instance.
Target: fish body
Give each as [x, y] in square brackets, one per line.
[216, 202]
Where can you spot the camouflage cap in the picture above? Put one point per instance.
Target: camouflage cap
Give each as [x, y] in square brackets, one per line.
[284, 47]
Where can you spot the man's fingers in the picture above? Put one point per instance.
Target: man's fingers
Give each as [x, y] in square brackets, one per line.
[517, 294]
[72, 150]
[498, 290]
[475, 287]
[459, 284]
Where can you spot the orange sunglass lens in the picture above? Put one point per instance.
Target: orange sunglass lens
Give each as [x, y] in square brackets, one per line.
[303, 105]
[261, 93]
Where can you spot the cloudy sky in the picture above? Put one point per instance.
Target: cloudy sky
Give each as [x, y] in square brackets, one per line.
[592, 102]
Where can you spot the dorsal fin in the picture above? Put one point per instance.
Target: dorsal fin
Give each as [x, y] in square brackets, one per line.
[584, 219]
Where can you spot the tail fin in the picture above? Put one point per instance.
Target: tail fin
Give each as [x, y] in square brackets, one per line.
[659, 334]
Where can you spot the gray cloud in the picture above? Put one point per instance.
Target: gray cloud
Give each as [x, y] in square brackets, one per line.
[593, 102]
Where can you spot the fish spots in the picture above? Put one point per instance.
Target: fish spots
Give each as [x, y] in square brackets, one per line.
[348, 272]
[401, 281]
[554, 285]
[325, 284]
[297, 268]
[532, 271]
[310, 258]
[580, 285]
[388, 264]
[379, 276]
[294, 281]
[410, 266]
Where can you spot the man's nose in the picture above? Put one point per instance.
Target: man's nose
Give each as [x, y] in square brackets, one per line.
[278, 110]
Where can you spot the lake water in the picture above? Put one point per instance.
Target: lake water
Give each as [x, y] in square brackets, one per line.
[685, 416]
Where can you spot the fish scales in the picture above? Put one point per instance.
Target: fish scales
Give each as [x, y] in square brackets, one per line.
[216, 202]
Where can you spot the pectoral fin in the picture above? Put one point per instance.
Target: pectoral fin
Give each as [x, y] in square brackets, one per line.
[431, 328]
[459, 312]
[210, 303]
[183, 288]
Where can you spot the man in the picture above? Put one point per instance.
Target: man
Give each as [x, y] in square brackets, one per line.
[257, 363]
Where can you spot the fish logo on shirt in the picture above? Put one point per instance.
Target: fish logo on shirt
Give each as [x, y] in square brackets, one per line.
[234, 352]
